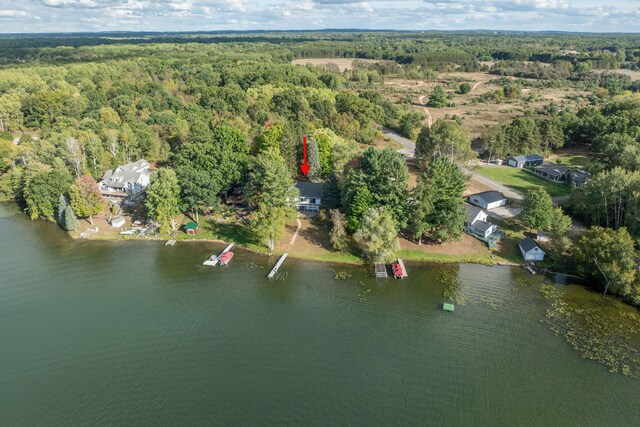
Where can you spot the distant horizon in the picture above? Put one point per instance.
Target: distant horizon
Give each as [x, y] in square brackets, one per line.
[317, 30]
[89, 16]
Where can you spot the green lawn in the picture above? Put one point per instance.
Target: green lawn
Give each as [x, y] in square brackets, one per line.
[574, 161]
[522, 180]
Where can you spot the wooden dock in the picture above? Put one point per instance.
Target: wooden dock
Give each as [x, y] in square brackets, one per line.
[276, 267]
[170, 243]
[213, 260]
[381, 270]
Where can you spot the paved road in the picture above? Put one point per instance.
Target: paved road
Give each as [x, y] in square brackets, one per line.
[408, 146]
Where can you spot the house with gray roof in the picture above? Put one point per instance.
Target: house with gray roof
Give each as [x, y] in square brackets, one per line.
[309, 196]
[530, 250]
[530, 160]
[477, 224]
[127, 182]
[577, 179]
[488, 199]
[552, 172]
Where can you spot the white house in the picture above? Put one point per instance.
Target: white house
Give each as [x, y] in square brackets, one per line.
[309, 196]
[126, 182]
[477, 223]
[489, 199]
[530, 250]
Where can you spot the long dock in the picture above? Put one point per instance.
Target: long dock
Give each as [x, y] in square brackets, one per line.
[213, 260]
[276, 267]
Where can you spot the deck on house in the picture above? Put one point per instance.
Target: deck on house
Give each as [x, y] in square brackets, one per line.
[276, 267]
[213, 259]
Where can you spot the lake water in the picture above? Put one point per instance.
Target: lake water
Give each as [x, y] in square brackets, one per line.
[135, 333]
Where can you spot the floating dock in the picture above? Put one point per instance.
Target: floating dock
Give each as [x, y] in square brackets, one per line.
[213, 260]
[276, 267]
[448, 307]
[381, 270]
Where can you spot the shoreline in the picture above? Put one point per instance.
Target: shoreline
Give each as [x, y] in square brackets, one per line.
[334, 258]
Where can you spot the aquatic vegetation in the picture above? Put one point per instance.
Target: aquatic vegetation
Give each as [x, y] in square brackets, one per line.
[342, 274]
[453, 286]
[607, 330]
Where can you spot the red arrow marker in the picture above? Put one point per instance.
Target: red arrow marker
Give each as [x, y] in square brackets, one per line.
[304, 167]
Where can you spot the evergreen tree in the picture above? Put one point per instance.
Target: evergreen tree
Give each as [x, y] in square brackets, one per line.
[62, 206]
[70, 219]
[438, 210]
[537, 209]
[331, 193]
[438, 98]
[313, 158]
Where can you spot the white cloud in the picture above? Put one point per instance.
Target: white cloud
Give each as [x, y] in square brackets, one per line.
[13, 13]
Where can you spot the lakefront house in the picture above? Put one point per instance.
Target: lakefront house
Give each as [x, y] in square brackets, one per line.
[309, 196]
[127, 182]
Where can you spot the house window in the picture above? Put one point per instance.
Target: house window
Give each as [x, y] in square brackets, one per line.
[312, 200]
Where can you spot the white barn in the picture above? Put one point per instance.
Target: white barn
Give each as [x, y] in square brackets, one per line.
[489, 199]
[530, 250]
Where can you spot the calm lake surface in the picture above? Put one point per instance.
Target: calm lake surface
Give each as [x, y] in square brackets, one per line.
[135, 333]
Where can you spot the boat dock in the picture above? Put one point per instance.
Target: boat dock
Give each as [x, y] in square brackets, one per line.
[213, 260]
[381, 270]
[276, 267]
[170, 243]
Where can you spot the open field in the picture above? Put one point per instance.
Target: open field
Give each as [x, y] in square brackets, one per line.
[341, 63]
[522, 180]
[575, 157]
[476, 116]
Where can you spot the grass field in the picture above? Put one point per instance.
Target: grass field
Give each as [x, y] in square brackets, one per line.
[522, 181]
[574, 161]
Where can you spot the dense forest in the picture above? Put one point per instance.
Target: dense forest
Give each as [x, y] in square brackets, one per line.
[222, 113]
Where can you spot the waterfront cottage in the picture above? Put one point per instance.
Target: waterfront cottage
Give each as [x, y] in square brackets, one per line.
[488, 199]
[127, 182]
[309, 196]
[530, 160]
[477, 223]
[530, 250]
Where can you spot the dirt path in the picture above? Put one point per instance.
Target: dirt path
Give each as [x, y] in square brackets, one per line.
[295, 235]
[475, 86]
[426, 110]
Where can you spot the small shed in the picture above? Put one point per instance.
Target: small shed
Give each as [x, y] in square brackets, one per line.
[117, 222]
[530, 250]
[191, 228]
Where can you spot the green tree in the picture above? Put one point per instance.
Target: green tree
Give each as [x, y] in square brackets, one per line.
[464, 88]
[410, 124]
[85, 198]
[70, 222]
[313, 158]
[42, 186]
[269, 191]
[338, 231]
[62, 207]
[444, 139]
[377, 236]
[163, 199]
[608, 257]
[331, 193]
[560, 223]
[438, 98]
[537, 209]
[438, 210]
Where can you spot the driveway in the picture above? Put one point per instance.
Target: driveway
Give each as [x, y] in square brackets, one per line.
[495, 185]
[408, 146]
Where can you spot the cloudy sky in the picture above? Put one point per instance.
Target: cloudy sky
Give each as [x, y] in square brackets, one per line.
[179, 15]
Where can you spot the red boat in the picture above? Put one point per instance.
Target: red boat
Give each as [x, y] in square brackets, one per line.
[225, 258]
[398, 270]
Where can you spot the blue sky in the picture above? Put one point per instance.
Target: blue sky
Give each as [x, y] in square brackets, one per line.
[187, 15]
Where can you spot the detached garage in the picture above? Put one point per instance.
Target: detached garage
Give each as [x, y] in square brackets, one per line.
[530, 251]
[489, 199]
